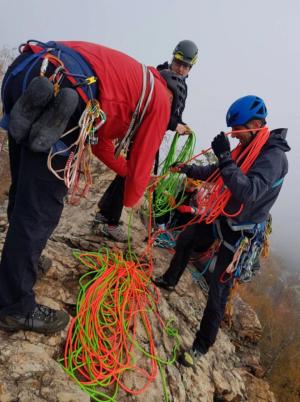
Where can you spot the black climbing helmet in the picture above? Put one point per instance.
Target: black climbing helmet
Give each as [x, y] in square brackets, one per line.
[186, 51]
[177, 86]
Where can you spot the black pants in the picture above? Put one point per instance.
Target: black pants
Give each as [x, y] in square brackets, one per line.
[200, 237]
[111, 203]
[36, 199]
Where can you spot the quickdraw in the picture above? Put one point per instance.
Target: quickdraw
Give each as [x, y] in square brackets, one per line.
[78, 164]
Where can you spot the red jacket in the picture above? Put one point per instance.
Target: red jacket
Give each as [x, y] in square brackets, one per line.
[120, 82]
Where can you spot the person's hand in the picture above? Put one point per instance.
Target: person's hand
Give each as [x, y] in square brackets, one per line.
[186, 209]
[183, 129]
[178, 167]
[221, 146]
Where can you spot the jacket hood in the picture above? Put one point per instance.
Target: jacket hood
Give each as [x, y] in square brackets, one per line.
[278, 139]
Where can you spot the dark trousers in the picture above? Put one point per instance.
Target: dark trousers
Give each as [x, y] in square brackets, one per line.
[111, 203]
[200, 237]
[35, 205]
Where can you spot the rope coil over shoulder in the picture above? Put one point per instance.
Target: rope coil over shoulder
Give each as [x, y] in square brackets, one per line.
[138, 114]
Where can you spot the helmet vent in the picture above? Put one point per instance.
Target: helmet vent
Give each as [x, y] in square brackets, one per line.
[255, 104]
[234, 116]
[260, 111]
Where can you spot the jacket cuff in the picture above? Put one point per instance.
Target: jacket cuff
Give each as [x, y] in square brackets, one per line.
[225, 162]
[172, 123]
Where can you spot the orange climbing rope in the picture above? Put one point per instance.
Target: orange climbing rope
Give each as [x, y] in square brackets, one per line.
[213, 199]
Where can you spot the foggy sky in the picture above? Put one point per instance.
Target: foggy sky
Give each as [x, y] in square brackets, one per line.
[245, 47]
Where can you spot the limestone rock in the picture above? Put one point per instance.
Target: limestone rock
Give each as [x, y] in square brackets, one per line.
[245, 321]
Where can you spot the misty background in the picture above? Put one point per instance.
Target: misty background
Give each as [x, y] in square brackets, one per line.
[245, 48]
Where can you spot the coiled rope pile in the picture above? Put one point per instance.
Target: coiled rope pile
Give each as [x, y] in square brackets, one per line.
[168, 189]
[112, 333]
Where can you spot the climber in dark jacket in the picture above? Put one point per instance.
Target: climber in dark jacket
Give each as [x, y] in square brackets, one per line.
[257, 191]
[111, 203]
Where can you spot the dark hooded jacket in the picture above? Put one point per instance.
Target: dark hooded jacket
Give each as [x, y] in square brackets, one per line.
[175, 118]
[259, 188]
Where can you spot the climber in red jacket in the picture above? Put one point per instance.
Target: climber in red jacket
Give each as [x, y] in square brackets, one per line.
[38, 109]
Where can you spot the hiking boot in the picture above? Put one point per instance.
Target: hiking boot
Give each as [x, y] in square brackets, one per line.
[100, 218]
[50, 126]
[44, 264]
[42, 319]
[190, 357]
[97, 222]
[115, 232]
[160, 282]
[29, 107]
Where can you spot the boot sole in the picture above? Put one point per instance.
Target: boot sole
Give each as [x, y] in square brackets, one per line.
[29, 107]
[50, 126]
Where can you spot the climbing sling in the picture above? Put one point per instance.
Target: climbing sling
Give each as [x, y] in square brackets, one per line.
[138, 113]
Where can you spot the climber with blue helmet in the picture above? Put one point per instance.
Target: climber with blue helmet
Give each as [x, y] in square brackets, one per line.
[257, 190]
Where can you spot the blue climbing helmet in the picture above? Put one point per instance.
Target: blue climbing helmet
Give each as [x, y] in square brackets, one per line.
[245, 109]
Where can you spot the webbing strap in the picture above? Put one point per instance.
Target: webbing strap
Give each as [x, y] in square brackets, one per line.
[77, 68]
[239, 227]
[31, 57]
[220, 235]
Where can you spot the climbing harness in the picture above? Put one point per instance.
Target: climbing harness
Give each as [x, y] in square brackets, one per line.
[247, 250]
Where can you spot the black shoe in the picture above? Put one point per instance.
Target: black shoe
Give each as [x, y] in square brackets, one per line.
[99, 218]
[44, 264]
[97, 222]
[160, 282]
[29, 107]
[190, 357]
[42, 319]
[50, 126]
